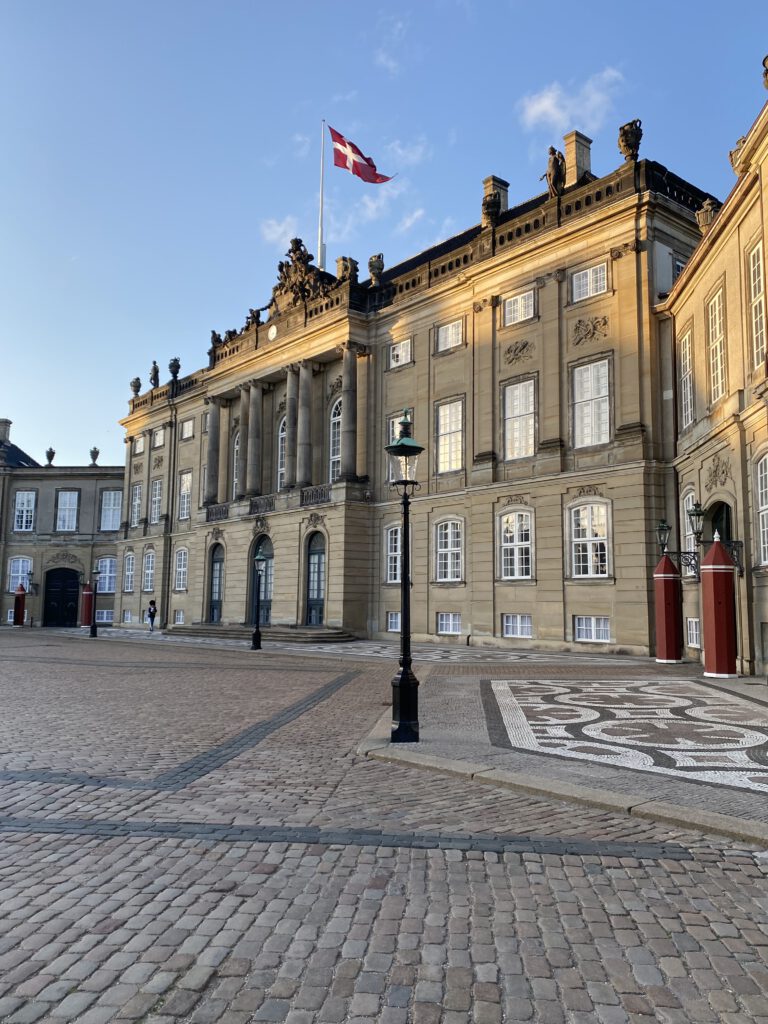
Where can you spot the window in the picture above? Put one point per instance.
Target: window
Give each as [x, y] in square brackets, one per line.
[762, 508]
[111, 502]
[689, 541]
[586, 283]
[589, 540]
[205, 422]
[235, 461]
[129, 570]
[678, 266]
[448, 623]
[591, 404]
[107, 568]
[185, 494]
[393, 538]
[716, 347]
[9, 616]
[519, 419]
[135, 504]
[686, 381]
[693, 632]
[448, 566]
[19, 571]
[127, 615]
[24, 511]
[518, 308]
[449, 336]
[203, 483]
[334, 443]
[138, 445]
[187, 429]
[592, 627]
[757, 304]
[182, 563]
[158, 438]
[105, 615]
[281, 436]
[155, 500]
[399, 353]
[450, 436]
[149, 571]
[66, 511]
[515, 624]
[393, 433]
[178, 617]
[393, 622]
[516, 546]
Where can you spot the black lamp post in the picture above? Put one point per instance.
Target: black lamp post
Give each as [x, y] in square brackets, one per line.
[696, 516]
[95, 586]
[663, 531]
[259, 561]
[404, 456]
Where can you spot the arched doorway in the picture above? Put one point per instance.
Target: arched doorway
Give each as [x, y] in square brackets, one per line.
[62, 595]
[265, 549]
[720, 520]
[216, 590]
[315, 580]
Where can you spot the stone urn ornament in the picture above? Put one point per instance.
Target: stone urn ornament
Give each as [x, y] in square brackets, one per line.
[174, 366]
[630, 135]
[94, 453]
[50, 454]
[136, 386]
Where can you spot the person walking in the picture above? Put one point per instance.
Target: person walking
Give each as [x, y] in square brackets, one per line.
[151, 613]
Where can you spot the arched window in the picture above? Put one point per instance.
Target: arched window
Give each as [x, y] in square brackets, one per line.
[334, 443]
[182, 564]
[281, 435]
[448, 551]
[129, 571]
[762, 507]
[235, 460]
[393, 536]
[689, 541]
[589, 540]
[516, 545]
[149, 571]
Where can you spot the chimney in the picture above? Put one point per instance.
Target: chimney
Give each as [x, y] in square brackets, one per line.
[578, 161]
[495, 200]
[494, 184]
[5, 430]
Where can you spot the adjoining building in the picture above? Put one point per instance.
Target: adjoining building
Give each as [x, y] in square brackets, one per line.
[57, 523]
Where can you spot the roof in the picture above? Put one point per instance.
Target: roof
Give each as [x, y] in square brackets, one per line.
[13, 457]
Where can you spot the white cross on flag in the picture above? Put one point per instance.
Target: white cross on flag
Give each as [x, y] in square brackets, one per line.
[347, 155]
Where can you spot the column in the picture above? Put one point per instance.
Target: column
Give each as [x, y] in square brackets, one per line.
[304, 432]
[363, 413]
[242, 453]
[224, 433]
[255, 440]
[212, 459]
[291, 414]
[349, 412]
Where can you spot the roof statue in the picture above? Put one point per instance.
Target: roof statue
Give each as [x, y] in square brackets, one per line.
[555, 173]
[630, 135]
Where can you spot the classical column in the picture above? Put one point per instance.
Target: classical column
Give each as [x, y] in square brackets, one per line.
[349, 413]
[291, 414]
[255, 440]
[304, 446]
[242, 452]
[212, 459]
[225, 431]
[363, 399]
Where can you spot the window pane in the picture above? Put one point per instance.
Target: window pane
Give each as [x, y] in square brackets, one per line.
[66, 516]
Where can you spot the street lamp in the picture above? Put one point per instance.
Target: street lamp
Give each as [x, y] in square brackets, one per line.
[94, 586]
[403, 457]
[696, 517]
[259, 562]
[663, 531]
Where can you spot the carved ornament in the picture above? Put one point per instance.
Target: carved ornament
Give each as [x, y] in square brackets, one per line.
[64, 558]
[281, 406]
[346, 269]
[630, 135]
[519, 352]
[376, 269]
[157, 462]
[618, 252]
[718, 473]
[516, 499]
[590, 491]
[138, 467]
[590, 329]
[335, 387]
[260, 525]
[298, 282]
[314, 519]
[216, 533]
[558, 275]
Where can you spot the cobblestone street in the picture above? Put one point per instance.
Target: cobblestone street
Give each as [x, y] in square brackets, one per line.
[189, 834]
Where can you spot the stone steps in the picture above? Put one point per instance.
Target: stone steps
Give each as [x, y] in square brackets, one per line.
[284, 634]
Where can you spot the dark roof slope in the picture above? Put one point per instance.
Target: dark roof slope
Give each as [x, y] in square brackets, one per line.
[15, 458]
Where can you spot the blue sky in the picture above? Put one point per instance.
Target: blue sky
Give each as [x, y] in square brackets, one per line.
[158, 156]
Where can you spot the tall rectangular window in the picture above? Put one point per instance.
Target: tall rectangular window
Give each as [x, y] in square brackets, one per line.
[135, 504]
[519, 420]
[185, 494]
[516, 546]
[393, 433]
[24, 511]
[693, 632]
[757, 304]
[450, 436]
[589, 540]
[448, 548]
[149, 571]
[138, 445]
[393, 622]
[716, 345]
[111, 503]
[518, 308]
[66, 511]
[107, 575]
[393, 536]
[19, 570]
[586, 283]
[399, 353]
[282, 435]
[187, 429]
[762, 508]
[158, 438]
[686, 381]
[129, 572]
[155, 500]
[449, 336]
[182, 564]
[591, 404]
[334, 443]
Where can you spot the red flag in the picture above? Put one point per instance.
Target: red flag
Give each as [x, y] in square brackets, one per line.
[347, 155]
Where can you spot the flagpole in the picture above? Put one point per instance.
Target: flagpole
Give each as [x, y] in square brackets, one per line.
[320, 242]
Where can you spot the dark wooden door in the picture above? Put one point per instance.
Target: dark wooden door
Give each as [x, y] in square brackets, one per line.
[62, 595]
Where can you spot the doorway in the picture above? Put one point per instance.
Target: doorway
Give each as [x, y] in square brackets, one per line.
[265, 549]
[217, 583]
[315, 580]
[62, 596]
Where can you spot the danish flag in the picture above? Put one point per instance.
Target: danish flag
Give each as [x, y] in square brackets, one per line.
[347, 155]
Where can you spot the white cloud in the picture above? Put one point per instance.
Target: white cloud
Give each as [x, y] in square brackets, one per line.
[408, 154]
[344, 97]
[301, 145]
[409, 220]
[384, 59]
[375, 204]
[279, 232]
[561, 109]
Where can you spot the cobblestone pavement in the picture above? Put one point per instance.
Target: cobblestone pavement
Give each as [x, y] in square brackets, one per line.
[187, 835]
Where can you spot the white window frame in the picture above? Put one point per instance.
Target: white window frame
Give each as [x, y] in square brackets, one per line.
[678, 266]
[24, 503]
[591, 399]
[158, 437]
[693, 632]
[687, 395]
[517, 624]
[187, 429]
[107, 578]
[589, 547]
[449, 335]
[181, 569]
[148, 573]
[756, 283]
[762, 508]
[449, 436]
[67, 506]
[10, 615]
[129, 572]
[19, 571]
[393, 553]
[136, 503]
[106, 616]
[111, 506]
[235, 461]
[449, 624]
[519, 419]
[449, 551]
[516, 544]
[334, 442]
[591, 281]
[282, 433]
[592, 629]
[519, 308]
[178, 617]
[393, 433]
[399, 353]
[155, 500]
[138, 445]
[393, 622]
[127, 615]
[185, 494]
[689, 541]
[718, 376]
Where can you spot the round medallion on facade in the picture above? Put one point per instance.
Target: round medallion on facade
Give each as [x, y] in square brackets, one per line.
[272, 332]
